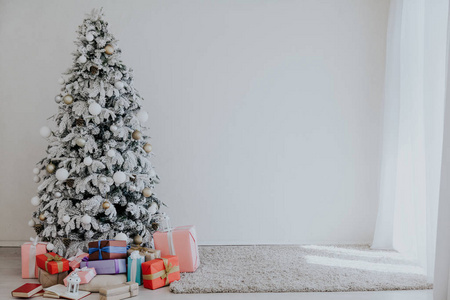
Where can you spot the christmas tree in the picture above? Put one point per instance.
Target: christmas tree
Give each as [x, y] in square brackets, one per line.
[97, 180]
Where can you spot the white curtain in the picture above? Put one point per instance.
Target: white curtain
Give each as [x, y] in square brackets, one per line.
[442, 266]
[413, 128]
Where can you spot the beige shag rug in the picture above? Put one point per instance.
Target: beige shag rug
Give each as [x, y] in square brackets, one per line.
[263, 269]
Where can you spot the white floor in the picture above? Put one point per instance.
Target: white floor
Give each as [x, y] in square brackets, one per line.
[10, 279]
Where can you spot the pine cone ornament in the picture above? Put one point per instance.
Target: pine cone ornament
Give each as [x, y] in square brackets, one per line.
[70, 182]
[80, 122]
[155, 226]
[66, 242]
[93, 70]
[38, 228]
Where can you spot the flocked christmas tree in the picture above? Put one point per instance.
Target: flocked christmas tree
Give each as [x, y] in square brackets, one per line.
[97, 180]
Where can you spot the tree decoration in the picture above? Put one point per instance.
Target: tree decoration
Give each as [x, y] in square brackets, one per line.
[36, 171]
[68, 99]
[137, 240]
[35, 201]
[119, 177]
[95, 109]
[61, 80]
[80, 122]
[142, 116]
[50, 247]
[45, 132]
[93, 70]
[31, 223]
[88, 197]
[147, 192]
[70, 182]
[42, 217]
[50, 168]
[155, 226]
[137, 135]
[121, 237]
[87, 161]
[36, 179]
[80, 142]
[148, 148]
[109, 49]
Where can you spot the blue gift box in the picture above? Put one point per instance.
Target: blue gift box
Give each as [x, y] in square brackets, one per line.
[134, 270]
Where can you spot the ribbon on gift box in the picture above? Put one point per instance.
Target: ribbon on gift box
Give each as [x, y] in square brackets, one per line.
[109, 249]
[57, 259]
[134, 256]
[195, 242]
[32, 255]
[76, 258]
[116, 264]
[140, 249]
[168, 268]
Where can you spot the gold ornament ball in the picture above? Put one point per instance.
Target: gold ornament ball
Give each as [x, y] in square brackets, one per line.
[148, 148]
[50, 168]
[137, 239]
[106, 205]
[42, 217]
[137, 135]
[147, 192]
[68, 99]
[109, 49]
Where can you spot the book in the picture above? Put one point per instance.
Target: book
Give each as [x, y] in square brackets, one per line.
[27, 290]
[60, 291]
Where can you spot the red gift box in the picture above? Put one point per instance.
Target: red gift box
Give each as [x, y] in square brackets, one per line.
[160, 272]
[52, 263]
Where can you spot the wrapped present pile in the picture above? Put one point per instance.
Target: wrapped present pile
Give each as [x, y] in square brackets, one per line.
[175, 251]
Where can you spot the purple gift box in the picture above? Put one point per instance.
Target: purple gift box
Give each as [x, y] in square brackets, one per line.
[107, 266]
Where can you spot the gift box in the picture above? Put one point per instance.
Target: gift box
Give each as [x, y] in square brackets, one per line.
[110, 266]
[149, 253]
[160, 272]
[74, 261]
[47, 279]
[86, 275]
[107, 249]
[29, 251]
[182, 242]
[120, 291]
[52, 263]
[134, 271]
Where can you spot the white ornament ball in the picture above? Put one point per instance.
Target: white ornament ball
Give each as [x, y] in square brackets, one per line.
[35, 201]
[119, 177]
[50, 246]
[86, 219]
[121, 237]
[153, 208]
[87, 161]
[66, 218]
[31, 223]
[62, 174]
[82, 59]
[142, 116]
[113, 128]
[111, 153]
[152, 173]
[58, 99]
[80, 142]
[36, 179]
[61, 80]
[119, 85]
[132, 188]
[103, 179]
[57, 194]
[95, 109]
[89, 37]
[45, 131]
[36, 171]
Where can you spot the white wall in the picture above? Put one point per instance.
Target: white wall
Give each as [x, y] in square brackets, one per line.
[265, 115]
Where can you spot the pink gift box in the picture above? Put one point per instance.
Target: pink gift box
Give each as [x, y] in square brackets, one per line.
[85, 274]
[29, 251]
[74, 262]
[183, 243]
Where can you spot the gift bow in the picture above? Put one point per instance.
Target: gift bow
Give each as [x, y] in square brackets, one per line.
[83, 269]
[141, 249]
[34, 241]
[168, 269]
[58, 259]
[79, 252]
